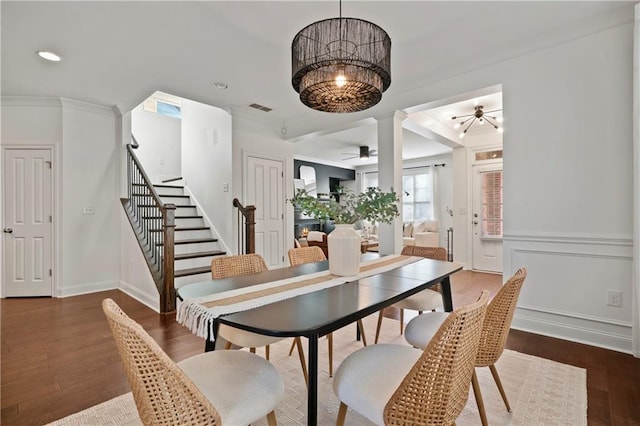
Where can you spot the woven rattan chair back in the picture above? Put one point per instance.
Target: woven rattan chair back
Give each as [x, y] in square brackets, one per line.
[437, 387]
[437, 253]
[233, 266]
[298, 256]
[498, 320]
[163, 394]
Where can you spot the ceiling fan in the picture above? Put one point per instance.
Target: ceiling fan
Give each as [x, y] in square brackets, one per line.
[364, 154]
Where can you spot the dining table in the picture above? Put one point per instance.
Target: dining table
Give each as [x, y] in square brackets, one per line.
[325, 307]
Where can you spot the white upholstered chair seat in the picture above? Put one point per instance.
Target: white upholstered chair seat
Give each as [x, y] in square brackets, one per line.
[426, 300]
[225, 377]
[367, 378]
[422, 328]
[245, 339]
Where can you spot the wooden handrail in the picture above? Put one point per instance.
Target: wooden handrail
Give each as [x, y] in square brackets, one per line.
[147, 181]
[249, 213]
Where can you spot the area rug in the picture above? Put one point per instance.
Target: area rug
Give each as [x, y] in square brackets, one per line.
[541, 392]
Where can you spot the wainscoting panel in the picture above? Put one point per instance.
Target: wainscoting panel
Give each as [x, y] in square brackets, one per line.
[565, 294]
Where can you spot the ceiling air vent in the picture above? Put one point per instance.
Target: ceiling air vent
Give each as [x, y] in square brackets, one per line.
[260, 107]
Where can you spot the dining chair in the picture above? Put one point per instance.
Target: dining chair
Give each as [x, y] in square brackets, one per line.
[212, 388]
[427, 300]
[396, 384]
[302, 255]
[245, 264]
[493, 337]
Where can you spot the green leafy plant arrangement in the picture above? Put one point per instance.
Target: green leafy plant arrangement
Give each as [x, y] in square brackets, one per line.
[373, 205]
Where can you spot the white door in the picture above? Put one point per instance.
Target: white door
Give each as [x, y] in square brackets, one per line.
[265, 190]
[486, 218]
[27, 222]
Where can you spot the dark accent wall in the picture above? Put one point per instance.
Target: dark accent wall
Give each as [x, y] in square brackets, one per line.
[323, 174]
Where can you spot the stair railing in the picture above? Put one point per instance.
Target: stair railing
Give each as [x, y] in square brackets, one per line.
[246, 218]
[148, 214]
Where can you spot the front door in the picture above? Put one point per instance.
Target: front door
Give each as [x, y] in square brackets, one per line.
[27, 222]
[486, 221]
[265, 190]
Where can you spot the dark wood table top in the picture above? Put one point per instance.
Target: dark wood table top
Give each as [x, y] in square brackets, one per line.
[327, 310]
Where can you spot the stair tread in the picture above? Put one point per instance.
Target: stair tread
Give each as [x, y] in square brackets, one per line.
[174, 195]
[177, 205]
[177, 217]
[192, 271]
[167, 186]
[193, 241]
[185, 228]
[199, 254]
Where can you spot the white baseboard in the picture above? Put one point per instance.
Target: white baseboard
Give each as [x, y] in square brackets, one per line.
[591, 331]
[152, 301]
[77, 290]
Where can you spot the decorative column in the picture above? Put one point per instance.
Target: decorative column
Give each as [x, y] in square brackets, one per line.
[390, 176]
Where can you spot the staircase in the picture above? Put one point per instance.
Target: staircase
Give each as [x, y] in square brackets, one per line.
[195, 244]
[176, 243]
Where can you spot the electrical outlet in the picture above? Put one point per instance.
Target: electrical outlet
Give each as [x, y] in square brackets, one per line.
[88, 210]
[614, 298]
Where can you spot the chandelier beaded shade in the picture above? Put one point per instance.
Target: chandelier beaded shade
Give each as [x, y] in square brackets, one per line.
[341, 64]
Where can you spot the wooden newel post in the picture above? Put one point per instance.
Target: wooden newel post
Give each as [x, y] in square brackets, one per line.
[168, 296]
[250, 228]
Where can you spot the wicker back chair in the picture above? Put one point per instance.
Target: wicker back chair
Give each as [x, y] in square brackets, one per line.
[433, 386]
[164, 394]
[494, 335]
[246, 264]
[234, 266]
[426, 300]
[301, 255]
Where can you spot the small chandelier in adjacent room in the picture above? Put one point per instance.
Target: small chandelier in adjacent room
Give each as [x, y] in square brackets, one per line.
[341, 64]
[480, 117]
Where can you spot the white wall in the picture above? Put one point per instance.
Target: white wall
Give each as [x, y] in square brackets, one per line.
[160, 144]
[262, 140]
[568, 182]
[86, 166]
[207, 163]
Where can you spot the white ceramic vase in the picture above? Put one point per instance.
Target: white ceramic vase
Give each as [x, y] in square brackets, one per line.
[344, 251]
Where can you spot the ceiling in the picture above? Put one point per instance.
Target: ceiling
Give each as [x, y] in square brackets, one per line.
[119, 53]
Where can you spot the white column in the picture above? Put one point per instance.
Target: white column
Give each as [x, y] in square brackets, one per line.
[635, 325]
[390, 175]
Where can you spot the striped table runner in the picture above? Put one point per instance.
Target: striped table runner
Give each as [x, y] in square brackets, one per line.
[198, 314]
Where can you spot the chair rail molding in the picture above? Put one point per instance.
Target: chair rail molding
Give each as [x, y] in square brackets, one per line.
[566, 291]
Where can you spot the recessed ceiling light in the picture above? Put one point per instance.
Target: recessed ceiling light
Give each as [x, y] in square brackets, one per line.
[220, 85]
[49, 56]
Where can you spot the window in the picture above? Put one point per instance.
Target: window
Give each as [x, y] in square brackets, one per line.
[492, 204]
[417, 193]
[417, 200]
[164, 104]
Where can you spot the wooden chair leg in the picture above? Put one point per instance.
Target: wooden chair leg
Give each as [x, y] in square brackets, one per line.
[361, 328]
[293, 346]
[266, 352]
[303, 363]
[330, 344]
[401, 321]
[342, 414]
[227, 346]
[476, 391]
[271, 419]
[496, 378]
[378, 327]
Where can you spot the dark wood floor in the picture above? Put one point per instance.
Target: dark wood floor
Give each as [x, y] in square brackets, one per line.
[58, 356]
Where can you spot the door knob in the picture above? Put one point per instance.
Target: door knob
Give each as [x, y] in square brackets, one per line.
[8, 230]
[475, 222]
